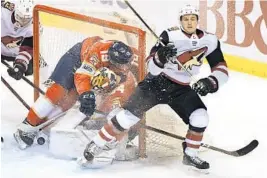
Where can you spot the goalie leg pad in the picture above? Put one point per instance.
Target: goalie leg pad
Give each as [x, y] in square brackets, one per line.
[66, 143]
[72, 118]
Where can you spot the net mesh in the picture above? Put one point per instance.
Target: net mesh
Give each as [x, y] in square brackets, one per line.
[158, 145]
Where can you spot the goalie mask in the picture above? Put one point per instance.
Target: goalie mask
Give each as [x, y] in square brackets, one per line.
[104, 80]
[120, 55]
[23, 13]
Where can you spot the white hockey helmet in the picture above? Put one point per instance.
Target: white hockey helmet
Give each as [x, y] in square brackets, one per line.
[24, 12]
[188, 9]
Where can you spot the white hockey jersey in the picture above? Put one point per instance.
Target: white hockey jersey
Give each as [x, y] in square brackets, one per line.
[11, 36]
[191, 51]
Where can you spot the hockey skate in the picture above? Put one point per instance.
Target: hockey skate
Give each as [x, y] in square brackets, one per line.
[89, 154]
[194, 161]
[91, 151]
[25, 135]
[97, 157]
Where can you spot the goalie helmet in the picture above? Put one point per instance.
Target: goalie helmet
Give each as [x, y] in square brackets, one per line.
[23, 12]
[104, 80]
[188, 9]
[120, 55]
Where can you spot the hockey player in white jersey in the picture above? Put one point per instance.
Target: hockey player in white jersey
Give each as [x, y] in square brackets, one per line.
[17, 36]
[169, 83]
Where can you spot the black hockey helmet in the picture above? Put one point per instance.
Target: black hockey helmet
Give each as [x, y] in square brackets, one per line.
[120, 55]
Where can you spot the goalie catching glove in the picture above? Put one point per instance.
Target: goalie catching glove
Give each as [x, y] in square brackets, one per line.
[104, 80]
[206, 85]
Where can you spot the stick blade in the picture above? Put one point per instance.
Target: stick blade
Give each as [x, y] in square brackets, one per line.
[247, 149]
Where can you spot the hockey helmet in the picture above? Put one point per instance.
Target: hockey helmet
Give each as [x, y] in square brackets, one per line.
[120, 55]
[23, 12]
[188, 9]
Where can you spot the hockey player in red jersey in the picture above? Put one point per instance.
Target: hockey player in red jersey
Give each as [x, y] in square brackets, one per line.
[17, 37]
[168, 83]
[93, 66]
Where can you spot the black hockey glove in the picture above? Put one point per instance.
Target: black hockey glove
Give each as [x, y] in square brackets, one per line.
[164, 54]
[17, 71]
[87, 100]
[206, 85]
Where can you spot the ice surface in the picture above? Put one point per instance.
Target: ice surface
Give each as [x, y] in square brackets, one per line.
[238, 114]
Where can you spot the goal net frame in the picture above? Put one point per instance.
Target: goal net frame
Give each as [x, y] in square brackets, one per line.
[97, 21]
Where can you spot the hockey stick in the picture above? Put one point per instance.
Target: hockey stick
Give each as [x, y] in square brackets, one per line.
[15, 93]
[175, 61]
[24, 78]
[237, 153]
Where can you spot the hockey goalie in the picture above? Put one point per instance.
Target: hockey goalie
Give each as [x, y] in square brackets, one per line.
[94, 75]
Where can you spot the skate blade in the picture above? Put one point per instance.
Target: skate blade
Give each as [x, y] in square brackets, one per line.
[96, 163]
[202, 171]
[20, 142]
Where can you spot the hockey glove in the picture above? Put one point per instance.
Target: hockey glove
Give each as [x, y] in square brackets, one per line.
[17, 71]
[206, 85]
[87, 100]
[164, 54]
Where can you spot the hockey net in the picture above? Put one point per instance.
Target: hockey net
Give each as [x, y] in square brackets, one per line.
[57, 30]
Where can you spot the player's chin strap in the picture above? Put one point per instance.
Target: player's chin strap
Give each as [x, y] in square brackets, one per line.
[174, 59]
